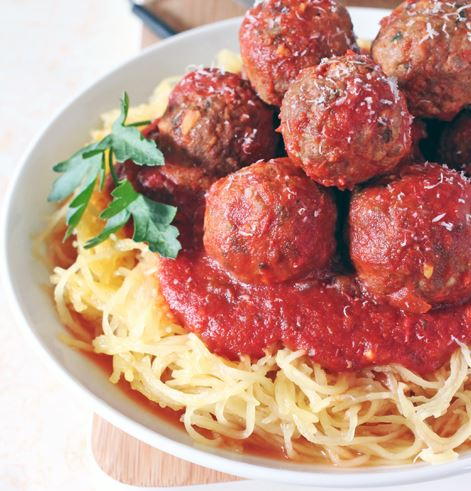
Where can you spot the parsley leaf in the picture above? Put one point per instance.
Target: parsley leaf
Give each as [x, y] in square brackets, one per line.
[114, 224]
[87, 162]
[81, 172]
[397, 36]
[78, 206]
[152, 220]
[128, 142]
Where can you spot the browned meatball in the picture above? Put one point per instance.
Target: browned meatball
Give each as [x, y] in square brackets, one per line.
[426, 44]
[215, 121]
[280, 37]
[344, 121]
[171, 183]
[455, 143]
[269, 223]
[410, 239]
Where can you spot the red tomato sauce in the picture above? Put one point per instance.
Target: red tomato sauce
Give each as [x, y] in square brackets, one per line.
[330, 319]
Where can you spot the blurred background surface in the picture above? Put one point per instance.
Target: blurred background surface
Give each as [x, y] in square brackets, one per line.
[50, 50]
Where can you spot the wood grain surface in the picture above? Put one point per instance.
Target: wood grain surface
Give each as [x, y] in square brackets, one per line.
[118, 454]
[130, 461]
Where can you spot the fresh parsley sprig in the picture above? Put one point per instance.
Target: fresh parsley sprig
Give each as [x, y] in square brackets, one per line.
[151, 220]
[87, 167]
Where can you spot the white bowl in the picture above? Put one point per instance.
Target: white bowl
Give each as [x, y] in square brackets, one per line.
[26, 208]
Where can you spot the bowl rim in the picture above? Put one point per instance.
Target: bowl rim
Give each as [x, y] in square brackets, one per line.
[363, 477]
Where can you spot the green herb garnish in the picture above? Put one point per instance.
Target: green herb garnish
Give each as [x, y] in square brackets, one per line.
[127, 142]
[81, 173]
[397, 36]
[151, 220]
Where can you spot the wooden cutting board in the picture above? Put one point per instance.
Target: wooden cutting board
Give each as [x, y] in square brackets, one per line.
[133, 462]
[121, 456]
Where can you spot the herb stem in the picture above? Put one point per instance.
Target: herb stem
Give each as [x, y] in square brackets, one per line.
[112, 169]
[139, 123]
[102, 173]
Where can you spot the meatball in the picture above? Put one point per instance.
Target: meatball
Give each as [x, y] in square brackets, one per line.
[280, 37]
[172, 184]
[344, 121]
[215, 121]
[455, 143]
[410, 238]
[426, 44]
[269, 223]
